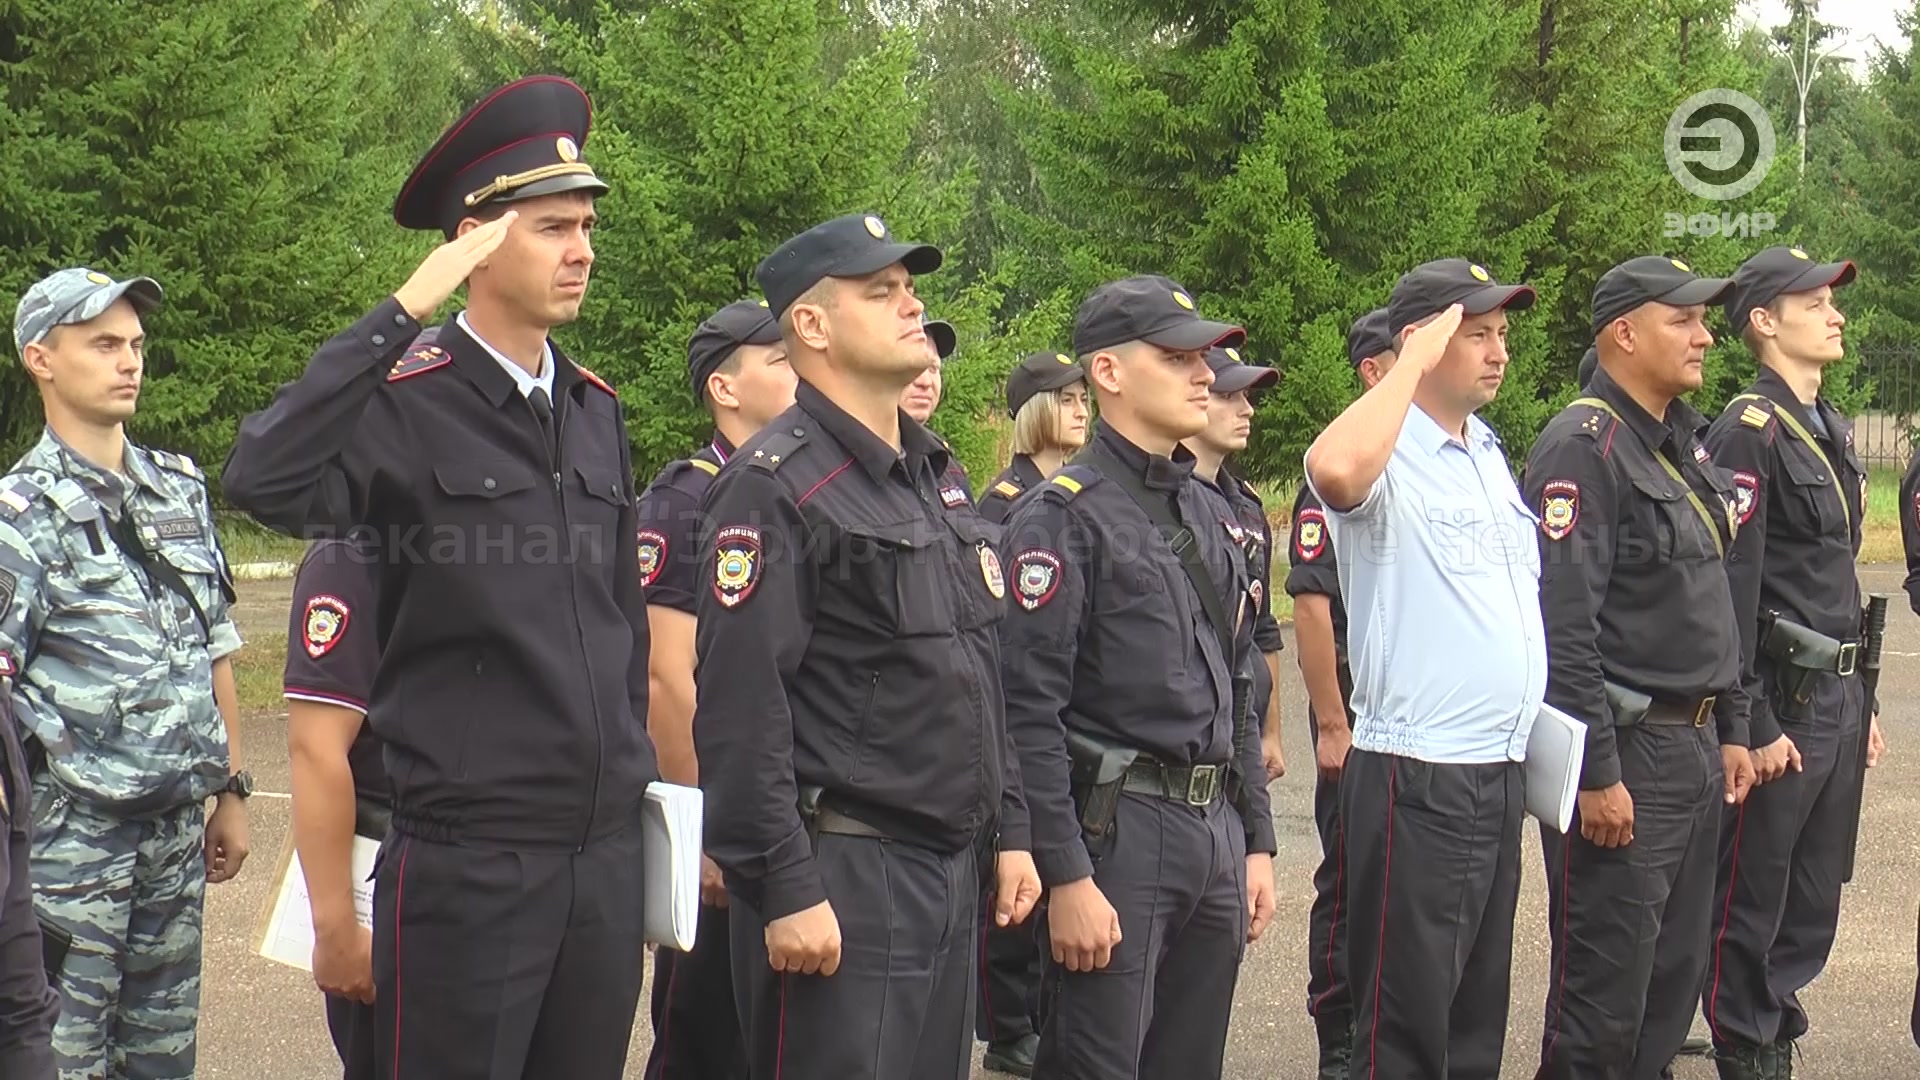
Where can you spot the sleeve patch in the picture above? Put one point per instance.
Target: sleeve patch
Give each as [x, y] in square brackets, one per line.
[653, 556]
[1310, 534]
[1036, 577]
[952, 496]
[325, 624]
[1559, 508]
[1746, 495]
[736, 564]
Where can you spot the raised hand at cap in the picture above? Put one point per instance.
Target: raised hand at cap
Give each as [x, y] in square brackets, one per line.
[1425, 345]
[449, 266]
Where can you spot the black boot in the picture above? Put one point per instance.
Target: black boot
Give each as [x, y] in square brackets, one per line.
[1739, 1061]
[1014, 1057]
[1336, 1044]
[1782, 1060]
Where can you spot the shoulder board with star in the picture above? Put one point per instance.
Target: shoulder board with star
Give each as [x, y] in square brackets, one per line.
[776, 448]
[595, 380]
[179, 463]
[17, 493]
[1590, 420]
[1070, 481]
[418, 361]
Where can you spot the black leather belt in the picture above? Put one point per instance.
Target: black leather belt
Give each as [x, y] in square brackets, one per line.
[1195, 785]
[1684, 714]
[1849, 659]
[829, 820]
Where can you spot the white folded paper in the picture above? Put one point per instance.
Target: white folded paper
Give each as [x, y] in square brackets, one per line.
[287, 935]
[1556, 750]
[671, 818]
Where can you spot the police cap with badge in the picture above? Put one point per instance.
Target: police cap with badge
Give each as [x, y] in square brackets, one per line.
[851, 246]
[1149, 308]
[1040, 373]
[1777, 272]
[743, 322]
[1433, 287]
[522, 141]
[1231, 374]
[1651, 279]
[1368, 337]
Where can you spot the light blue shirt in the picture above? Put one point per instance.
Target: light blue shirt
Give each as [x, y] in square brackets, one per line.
[1440, 570]
[521, 379]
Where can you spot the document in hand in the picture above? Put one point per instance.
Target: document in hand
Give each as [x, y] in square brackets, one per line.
[286, 934]
[1555, 752]
[671, 820]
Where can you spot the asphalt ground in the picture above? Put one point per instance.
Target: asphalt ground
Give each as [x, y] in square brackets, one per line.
[260, 1019]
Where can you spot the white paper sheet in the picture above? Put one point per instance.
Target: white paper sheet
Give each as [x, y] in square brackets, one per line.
[1556, 750]
[288, 935]
[672, 820]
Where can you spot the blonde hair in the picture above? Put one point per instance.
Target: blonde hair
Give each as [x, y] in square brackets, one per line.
[1036, 427]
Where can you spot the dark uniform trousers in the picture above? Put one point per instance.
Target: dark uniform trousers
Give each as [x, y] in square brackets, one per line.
[1328, 992]
[551, 994]
[352, 1024]
[901, 1003]
[1176, 875]
[1630, 924]
[1433, 879]
[1782, 853]
[1010, 972]
[696, 1031]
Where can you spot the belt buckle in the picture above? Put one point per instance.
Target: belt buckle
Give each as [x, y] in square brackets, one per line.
[1849, 659]
[1706, 707]
[1203, 783]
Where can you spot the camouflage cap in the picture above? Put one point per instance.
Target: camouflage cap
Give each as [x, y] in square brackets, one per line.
[76, 295]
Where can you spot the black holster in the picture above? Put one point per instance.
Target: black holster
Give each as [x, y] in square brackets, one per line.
[810, 812]
[1239, 785]
[1798, 654]
[1099, 772]
[371, 820]
[1627, 705]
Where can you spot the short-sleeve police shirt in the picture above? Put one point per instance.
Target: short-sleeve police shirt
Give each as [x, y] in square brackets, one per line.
[333, 648]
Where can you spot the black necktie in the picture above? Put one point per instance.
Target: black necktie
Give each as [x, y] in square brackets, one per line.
[543, 411]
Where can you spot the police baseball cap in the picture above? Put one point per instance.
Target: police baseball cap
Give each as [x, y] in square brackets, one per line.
[743, 322]
[1037, 373]
[1651, 279]
[941, 333]
[1588, 364]
[521, 141]
[76, 295]
[851, 246]
[1433, 287]
[1777, 272]
[1231, 374]
[1368, 337]
[1147, 308]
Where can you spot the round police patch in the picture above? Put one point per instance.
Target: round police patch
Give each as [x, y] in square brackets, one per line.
[1310, 534]
[736, 564]
[1559, 508]
[1036, 577]
[325, 624]
[653, 556]
[1746, 495]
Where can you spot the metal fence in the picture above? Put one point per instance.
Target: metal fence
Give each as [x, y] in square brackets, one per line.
[1887, 426]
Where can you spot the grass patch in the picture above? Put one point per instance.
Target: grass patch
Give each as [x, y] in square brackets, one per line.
[1880, 537]
[258, 671]
[247, 541]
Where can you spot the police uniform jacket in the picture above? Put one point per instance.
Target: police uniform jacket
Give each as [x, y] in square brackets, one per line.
[1312, 567]
[333, 650]
[669, 513]
[846, 641]
[1107, 635]
[115, 680]
[1635, 521]
[1019, 477]
[1800, 497]
[511, 695]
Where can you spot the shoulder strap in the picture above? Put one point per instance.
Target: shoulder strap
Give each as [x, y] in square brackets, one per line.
[704, 466]
[1800, 432]
[1674, 472]
[160, 570]
[1178, 537]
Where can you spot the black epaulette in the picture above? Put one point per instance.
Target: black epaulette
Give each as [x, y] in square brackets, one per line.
[1594, 420]
[777, 447]
[1752, 410]
[418, 360]
[1070, 481]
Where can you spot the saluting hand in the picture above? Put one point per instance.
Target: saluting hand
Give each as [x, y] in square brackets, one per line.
[1019, 888]
[1425, 345]
[805, 942]
[1606, 816]
[1739, 768]
[1082, 927]
[449, 266]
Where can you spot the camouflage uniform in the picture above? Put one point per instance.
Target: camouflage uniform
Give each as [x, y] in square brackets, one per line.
[115, 699]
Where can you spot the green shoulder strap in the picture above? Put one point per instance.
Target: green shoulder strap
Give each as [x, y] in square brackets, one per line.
[1673, 471]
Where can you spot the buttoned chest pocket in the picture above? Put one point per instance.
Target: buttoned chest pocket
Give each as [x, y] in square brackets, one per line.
[195, 563]
[594, 502]
[1682, 535]
[895, 577]
[1474, 537]
[483, 490]
[1810, 499]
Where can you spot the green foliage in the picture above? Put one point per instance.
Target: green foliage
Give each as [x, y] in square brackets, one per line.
[1286, 160]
